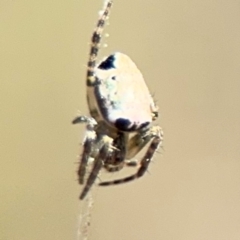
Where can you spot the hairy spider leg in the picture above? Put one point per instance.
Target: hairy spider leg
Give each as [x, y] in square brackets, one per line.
[105, 150]
[88, 146]
[91, 80]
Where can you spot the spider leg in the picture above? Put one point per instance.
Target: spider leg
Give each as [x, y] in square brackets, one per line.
[119, 166]
[91, 122]
[91, 79]
[115, 168]
[131, 163]
[115, 162]
[155, 135]
[87, 150]
[95, 42]
[104, 151]
[137, 142]
[88, 145]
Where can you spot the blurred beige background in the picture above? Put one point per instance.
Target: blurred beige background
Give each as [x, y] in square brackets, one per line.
[189, 53]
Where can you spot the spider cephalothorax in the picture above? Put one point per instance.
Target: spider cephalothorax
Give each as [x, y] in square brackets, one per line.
[121, 110]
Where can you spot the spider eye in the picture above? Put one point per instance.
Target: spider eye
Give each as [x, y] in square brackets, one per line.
[113, 77]
[107, 63]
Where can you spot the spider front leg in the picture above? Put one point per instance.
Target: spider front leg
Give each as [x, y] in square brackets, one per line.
[126, 149]
[118, 159]
[155, 137]
[88, 146]
[104, 152]
[115, 162]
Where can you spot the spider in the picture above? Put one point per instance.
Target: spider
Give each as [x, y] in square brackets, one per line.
[121, 110]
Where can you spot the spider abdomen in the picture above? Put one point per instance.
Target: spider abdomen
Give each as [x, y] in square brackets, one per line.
[122, 95]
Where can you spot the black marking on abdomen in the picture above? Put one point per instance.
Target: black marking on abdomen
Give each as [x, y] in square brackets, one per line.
[143, 125]
[124, 124]
[107, 63]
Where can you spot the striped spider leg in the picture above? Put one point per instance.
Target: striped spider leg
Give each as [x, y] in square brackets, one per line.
[121, 110]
